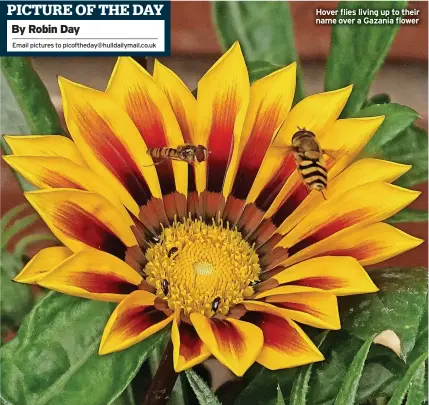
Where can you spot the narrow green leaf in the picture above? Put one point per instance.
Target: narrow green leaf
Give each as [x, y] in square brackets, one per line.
[126, 398]
[264, 30]
[258, 69]
[23, 243]
[31, 95]
[6, 218]
[300, 386]
[349, 387]
[400, 305]
[17, 227]
[402, 388]
[409, 215]
[358, 51]
[416, 393]
[54, 359]
[203, 393]
[280, 400]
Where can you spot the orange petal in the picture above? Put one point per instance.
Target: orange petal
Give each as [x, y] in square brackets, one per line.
[285, 343]
[340, 275]
[148, 106]
[368, 244]
[189, 350]
[93, 274]
[45, 145]
[181, 99]
[133, 320]
[366, 204]
[57, 172]
[82, 218]
[236, 344]
[110, 143]
[361, 172]
[311, 306]
[223, 97]
[42, 263]
[270, 101]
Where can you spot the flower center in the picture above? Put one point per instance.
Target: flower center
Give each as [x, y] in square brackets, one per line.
[202, 268]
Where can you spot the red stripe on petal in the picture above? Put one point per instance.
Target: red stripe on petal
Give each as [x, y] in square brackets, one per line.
[324, 283]
[56, 180]
[221, 139]
[137, 320]
[114, 155]
[255, 150]
[190, 343]
[101, 283]
[361, 252]
[290, 204]
[329, 229]
[278, 334]
[227, 336]
[273, 187]
[294, 306]
[85, 227]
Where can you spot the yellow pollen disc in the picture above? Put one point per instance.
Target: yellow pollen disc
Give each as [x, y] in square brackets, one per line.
[195, 263]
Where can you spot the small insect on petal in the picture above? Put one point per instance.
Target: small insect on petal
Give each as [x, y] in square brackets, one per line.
[172, 251]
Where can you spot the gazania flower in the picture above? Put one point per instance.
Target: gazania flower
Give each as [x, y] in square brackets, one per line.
[231, 253]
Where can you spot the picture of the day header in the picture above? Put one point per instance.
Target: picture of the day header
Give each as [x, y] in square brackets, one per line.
[149, 9]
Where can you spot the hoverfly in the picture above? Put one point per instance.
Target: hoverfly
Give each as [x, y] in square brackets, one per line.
[185, 153]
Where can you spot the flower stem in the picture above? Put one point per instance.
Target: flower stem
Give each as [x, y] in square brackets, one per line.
[163, 382]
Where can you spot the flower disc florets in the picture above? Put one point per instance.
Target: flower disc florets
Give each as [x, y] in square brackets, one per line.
[202, 268]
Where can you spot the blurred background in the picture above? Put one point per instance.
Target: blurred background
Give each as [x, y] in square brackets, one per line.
[195, 47]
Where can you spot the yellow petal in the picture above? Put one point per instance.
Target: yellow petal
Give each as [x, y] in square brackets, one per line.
[110, 143]
[315, 113]
[82, 218]
[132, 87]
[368, 244]
[188, 348]
[223, 98]
[285, 343]
[57, 172]
[133, 320]
[236, 344]
[93, 274]
[366, 204]
[311, 306]
[42, 263]
[338, 275]
[181, 99]
[361, 172]
[45, 145]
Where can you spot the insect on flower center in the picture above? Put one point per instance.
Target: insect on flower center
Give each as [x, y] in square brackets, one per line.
[203, 268]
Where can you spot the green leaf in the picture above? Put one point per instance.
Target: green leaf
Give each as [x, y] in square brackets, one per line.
[410, 147]
[348, 390]
[398, 118]
[7, 218]
[264, 30]
[300, 386]
[358, 51]
[31, 95]
[400, 305]
[202, 391]
[23, 243]
[126, 397]
[280, 400]
[16, 300]
[328, 376]
[416, 393]
[258, 69]
[18, 226]
[381, 98]
[408, 215]
[54, 358]
[402, 388]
